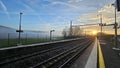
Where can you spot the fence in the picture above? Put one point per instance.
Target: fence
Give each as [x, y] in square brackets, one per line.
[11, 39]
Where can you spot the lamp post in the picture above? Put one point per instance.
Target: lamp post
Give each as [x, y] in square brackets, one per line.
[101, 24]
[51, 34]
[115, 26]
[71, 29]
[19, 31]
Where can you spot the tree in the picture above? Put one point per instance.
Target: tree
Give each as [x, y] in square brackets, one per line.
[65, 32]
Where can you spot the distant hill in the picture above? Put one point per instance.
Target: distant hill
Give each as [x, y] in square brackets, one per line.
[4, 31]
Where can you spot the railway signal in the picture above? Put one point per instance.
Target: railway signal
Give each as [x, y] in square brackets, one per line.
[51, 34]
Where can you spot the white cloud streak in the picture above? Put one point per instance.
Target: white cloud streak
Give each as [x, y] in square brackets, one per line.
[74, 1]
[4, 8]
[66, 4]
[29, 8]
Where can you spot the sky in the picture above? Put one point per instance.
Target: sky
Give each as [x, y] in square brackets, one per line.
[44, 15]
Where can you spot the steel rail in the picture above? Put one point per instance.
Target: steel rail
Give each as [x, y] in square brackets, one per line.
[54, 59]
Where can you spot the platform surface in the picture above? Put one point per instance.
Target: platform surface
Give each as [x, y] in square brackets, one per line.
[111, 57]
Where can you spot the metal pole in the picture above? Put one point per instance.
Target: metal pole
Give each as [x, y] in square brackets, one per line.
[101, 24]
[38, 37]
[46, 38]
[70, 28]
[20, 27]
[26, 38]
[50, 35]
[115, 26]
[8, 38]
[85, 32]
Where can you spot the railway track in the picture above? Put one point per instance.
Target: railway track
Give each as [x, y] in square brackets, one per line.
[63, 59]
[38, 59]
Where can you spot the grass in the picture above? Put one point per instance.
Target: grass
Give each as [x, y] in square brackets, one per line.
[14, 42]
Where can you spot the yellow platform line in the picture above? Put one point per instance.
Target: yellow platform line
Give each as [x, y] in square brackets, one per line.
[101, 59]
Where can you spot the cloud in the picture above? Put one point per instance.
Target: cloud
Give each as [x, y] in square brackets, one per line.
[88, 18]
[29, 10]
[27, 7]
[74, 1]
[66, 4]
[4, 8]
[35, 1]
[107, 12]
[107, 15]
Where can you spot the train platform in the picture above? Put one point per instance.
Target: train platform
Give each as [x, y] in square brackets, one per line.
[111, 56]
[98, 55]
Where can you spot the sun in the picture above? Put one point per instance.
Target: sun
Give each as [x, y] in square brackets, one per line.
[94, 32]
